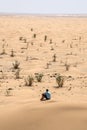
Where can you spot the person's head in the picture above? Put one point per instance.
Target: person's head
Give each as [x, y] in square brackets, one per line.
[47, 90]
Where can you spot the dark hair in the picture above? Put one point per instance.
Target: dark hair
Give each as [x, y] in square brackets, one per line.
[47, 90]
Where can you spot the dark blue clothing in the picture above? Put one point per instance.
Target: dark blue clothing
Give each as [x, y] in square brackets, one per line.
[47, 95]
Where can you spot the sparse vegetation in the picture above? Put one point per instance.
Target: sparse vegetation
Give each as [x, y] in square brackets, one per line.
[60, 80]
[20, 38]
[17, 74]
[70, 45]
[80, 38]
[47, 66]
[31, 29]
[52, 48]
[32, 43]
[3, 50]
[45, 38]
[8, 92]
[54, 58]
[27, 45]
[2, 75]
[25, 40]
[67, 66]
[16, 65]
[44, 50]
[29, 81]
[12, 53]
[34, 36]
[50, 41]
[63, 41]
[39, 77]
[27, 58]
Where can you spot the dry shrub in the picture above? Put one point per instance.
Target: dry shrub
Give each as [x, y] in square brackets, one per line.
[16, 65]
[29, 81]
[2, 75]
[54, 58]
[12, 53]
[45, 38]
[31, 29]
[3, 50]
[39, 77]
[17, 74]
[8, 92]
[20, 38]
[67, 66]
[51, 41]
[34, 36]
[60, 80]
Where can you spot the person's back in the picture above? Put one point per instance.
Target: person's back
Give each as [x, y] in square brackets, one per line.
[48, 94]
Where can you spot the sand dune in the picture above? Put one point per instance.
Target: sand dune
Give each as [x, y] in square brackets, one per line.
[46, 116]
[20, 107]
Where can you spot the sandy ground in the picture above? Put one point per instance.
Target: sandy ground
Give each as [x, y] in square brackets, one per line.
[46, 116]
[20, 107]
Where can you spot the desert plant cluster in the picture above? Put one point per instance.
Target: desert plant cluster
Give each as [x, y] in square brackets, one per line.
[33, 57]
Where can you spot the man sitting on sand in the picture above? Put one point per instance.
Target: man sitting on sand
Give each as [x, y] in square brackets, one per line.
[46, 95]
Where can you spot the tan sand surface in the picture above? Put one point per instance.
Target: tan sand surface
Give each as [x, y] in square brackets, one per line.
[46, 116]
[21, 108]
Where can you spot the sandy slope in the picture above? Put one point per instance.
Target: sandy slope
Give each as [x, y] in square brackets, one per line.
[22, 110]
[46, 116]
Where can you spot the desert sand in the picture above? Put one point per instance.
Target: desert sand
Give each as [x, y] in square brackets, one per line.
[20, 105]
